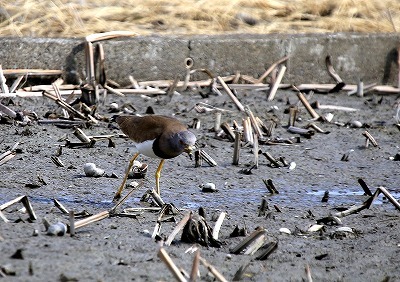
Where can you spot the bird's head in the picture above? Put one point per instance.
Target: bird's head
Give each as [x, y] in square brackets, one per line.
[187, 141]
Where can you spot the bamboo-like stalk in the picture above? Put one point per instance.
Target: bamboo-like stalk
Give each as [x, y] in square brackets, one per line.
[307, 105]
[163, 255]
[230, 94]
[236, 148]
[195, 267]
[218, 225]
[370, 138]
[178, 228]
[91, 219]
[213, 270]
[275, 86]
[271, 68]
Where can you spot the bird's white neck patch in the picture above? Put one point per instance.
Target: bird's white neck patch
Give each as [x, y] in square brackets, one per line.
[146, 148]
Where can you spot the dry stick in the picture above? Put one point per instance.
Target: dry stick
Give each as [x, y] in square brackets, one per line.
[71, 224]
[3, 85]
[213, 270]
[370, 138]
[236, 148]
[218, 225]
[255, 150]
[360, 88]
[229, 132]
[308, 273]
[306, 104]
[398, 66]
[355, 209]
[60, 206]
[3, 217]
[331, 70]
[271, 68]
[172, 88]
[81, 135]
[240, 272]
[208, 158]
[16, 82]
[276, 83]
[195, 266]
[90, 72]
[163, 255]
[167, 83]
[245, 242]
[64, 105]
[114, 91]
[91, 219]
[271, 159]
[334, 107]
[109, 35]
[217, 121]
[253, 121]
[366, 88]
[230, 94]
[389, 196]
[365, 187]
[32, 72]
[255, 245]
[114, 208]
[292, 116]
[6, 110]
[177, 228]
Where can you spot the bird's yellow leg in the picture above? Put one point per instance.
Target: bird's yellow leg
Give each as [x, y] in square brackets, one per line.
[118, 194]
[158, 174]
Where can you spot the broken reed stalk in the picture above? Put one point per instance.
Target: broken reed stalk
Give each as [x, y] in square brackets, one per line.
[178, 228]
[207, 158]
[276, 84]
[253, 121]
[255, 150]
[64, 105]
[308, 273]
[25, 201]
[230, 94]
[370, 139]
[60, 206]
[292, 116]
[271, 68]
[71, 224]
[331, 70]
[91, 219]
[3, 217]
[213, 270]
[255, 245]
[389, 196]
[360, 88]
[163, 255]
[217, 121]
[247, 241]
[228, 131]
[247, 131]
[306, 104]
[236, 148]
[3, 85]
[218, 225]
[271, 159]
[195, 266]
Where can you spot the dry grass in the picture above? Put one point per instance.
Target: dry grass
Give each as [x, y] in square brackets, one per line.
[77, 18]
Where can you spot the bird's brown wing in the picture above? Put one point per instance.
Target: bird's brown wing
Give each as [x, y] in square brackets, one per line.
[150, 127]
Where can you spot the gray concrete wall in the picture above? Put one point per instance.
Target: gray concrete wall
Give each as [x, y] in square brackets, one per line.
[371, 57]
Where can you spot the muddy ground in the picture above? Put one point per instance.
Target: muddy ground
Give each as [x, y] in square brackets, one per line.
[120, 249]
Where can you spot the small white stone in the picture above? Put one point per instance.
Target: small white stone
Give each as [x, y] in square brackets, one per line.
[91, 170]
[315, 227]
[57, 229]
[285, 230]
